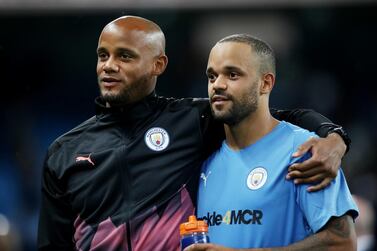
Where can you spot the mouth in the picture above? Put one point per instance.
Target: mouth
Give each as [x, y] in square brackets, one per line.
[109, 82]
[219, 99]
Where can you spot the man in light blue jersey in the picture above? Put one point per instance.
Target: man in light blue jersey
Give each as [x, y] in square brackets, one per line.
[243, 193]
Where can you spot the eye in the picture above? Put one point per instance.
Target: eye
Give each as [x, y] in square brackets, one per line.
[125, 56]
[211, 77]
[233, 75]
[102, 56]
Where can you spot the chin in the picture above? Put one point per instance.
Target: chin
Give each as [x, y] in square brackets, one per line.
[115, 99]
[224, 117]
[219, 115]
[110, 97]
[111, 94]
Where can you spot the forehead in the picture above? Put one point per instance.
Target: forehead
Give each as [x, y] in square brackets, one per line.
[231, 54]
[115, 36]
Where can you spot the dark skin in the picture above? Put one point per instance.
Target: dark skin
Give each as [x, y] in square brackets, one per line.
[338, 233]
[131, 55]
[322, 167]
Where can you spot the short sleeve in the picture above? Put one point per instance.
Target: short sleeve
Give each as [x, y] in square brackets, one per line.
[318, 207]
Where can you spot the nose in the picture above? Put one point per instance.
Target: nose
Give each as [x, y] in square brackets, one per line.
[111, 65]
[220, 83]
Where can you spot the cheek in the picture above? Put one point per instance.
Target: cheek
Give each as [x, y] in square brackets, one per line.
[99, 68]
[146, 66]
[131, 69]
[127, 73]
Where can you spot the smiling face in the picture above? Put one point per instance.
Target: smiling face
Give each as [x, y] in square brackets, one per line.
[233, 81]
[129, 60]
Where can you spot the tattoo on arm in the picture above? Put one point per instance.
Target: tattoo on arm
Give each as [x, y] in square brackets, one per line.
[337, 234]
[340, 227]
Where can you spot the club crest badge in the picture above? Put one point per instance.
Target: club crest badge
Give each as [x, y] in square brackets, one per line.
[256, 178]
[157, 139]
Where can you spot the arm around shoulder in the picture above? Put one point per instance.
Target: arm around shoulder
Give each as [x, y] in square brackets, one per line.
[312, 121]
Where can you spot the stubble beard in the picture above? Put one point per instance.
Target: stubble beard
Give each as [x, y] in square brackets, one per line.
[240, 109]
[129, 93]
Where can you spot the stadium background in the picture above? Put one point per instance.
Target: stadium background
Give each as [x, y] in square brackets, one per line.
[326, 60]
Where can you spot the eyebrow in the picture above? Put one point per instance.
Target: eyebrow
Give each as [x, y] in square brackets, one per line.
[101, 49]
[226, 68]
[128, 51]
[119, 50]
[210, 70]
[233, 68]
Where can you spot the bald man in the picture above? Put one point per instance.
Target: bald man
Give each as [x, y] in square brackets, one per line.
[126, 178]
[139, 46]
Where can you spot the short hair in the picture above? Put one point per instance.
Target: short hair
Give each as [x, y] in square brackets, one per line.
[262, 49]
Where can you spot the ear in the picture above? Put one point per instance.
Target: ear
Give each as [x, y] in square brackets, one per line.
[268, 82]
[160, 64]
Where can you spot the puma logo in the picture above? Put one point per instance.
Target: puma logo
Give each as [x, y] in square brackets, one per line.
[83, 158]
[204, 177]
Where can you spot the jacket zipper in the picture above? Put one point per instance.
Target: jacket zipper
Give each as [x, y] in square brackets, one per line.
[126, 193]
[128, 229]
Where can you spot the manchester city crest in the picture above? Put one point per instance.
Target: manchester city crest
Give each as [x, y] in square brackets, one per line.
[256, 178]
[156, 138]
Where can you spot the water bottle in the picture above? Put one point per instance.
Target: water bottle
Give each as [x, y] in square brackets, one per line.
[193, 231]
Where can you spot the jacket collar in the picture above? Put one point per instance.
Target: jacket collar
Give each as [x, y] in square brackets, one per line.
[135, 111]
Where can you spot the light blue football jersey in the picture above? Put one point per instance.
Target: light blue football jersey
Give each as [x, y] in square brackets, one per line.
[248, 203]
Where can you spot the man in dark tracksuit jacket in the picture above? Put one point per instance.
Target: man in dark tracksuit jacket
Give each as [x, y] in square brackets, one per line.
[126, 178]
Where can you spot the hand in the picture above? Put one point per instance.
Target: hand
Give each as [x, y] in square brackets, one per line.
[323, 166]
[207, 247]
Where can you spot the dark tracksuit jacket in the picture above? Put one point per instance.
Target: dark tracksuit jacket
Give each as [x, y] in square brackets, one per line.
[126, 178]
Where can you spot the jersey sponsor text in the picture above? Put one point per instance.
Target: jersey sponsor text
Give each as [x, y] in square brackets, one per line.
[232, 217]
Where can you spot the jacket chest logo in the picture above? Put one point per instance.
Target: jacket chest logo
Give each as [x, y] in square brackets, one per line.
[156, 138]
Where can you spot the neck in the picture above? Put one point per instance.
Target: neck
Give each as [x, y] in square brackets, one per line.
[152, 93]
[250, 129]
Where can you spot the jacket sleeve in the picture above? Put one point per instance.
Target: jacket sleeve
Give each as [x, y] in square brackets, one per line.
[312, 121]
[55, 229]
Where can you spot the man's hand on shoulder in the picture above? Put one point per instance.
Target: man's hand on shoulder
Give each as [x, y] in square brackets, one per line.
[323, 166]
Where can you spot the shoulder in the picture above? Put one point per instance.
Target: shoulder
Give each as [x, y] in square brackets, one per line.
[201, 104]
[217, 156]
[70, 135]
[298, 134]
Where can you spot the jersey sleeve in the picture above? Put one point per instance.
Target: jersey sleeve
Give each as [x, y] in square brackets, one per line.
[333, 201]
[55, 228]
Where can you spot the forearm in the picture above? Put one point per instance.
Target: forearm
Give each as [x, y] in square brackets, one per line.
[304, 118]
[313, 121]
[338, 235]
[312, 243]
